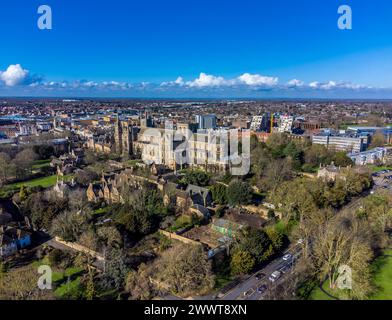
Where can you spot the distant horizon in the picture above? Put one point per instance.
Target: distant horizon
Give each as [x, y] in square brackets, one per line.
[195, 99]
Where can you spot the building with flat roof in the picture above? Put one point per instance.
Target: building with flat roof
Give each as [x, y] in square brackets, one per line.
[206, 121]
[369, 157]
[341, 141]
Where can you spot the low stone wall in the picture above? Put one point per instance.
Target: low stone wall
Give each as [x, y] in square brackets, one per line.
[261, 211]
[171, 235]
[80, 248]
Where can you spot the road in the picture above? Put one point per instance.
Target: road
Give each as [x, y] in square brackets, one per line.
[251, 283]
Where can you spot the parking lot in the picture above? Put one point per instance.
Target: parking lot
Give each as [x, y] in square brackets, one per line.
[383, 179]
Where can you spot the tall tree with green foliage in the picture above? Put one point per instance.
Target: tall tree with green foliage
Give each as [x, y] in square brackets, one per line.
[239, 193]
[218, 192]
[242, 262]
[196, 177]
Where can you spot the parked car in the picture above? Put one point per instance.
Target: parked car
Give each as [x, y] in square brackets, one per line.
[263, 288]
[287, 257]
[260, 275]
[275, 276]
[249, 292]
[285, 268]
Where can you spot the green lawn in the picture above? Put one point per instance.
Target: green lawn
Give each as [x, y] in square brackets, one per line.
[70, 290]
[100, 211]
[38, 164]
[381, 168]
[383, 278]
[318, 294]
[44, 182]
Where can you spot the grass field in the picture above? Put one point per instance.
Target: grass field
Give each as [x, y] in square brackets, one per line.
[44, 182]
[317, 294]
[67, 282]
[39, 164]
[377, 169]
[382, 279]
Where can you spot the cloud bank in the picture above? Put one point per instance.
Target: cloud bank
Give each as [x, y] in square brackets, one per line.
[20, 79]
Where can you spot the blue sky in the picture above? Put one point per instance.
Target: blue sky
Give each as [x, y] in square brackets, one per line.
[215, 48]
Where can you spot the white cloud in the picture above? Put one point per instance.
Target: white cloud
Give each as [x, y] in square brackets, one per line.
[295, 83]
[331, 85]
[257, 80]
[14, 75]
[178, 82]
[206, 80]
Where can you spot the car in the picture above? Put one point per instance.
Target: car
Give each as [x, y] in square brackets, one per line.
[260, 275]
[263, 288]
[275, 276]
[287, 257]
[249, 292]
[285, 268]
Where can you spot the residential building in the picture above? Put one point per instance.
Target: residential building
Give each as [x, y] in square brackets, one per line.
[285, 123]
[206, 121]
[329, 173]
[377, 155]
[341, 141]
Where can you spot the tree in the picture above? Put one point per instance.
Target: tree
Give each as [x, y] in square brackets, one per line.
[69, 225]
[344, 241]
[317, 154]
[109, 237]
[5, 165]
[275, 236]
[219, 193]
[293, 199]
[377, 209]
[275, 174]
[90, 285]
[116, 269]
[138, 283]
[141, 212]
[185, 270]
[43, 151]
[378, 140]
[295, 153]
[23, 193]
[86, 176]
[276, 143]
[196, 177]
[242, 262]
[255, 242]
[239, 193]
[24, 161]
[341, 160]
[89, 239]
[42, 210]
